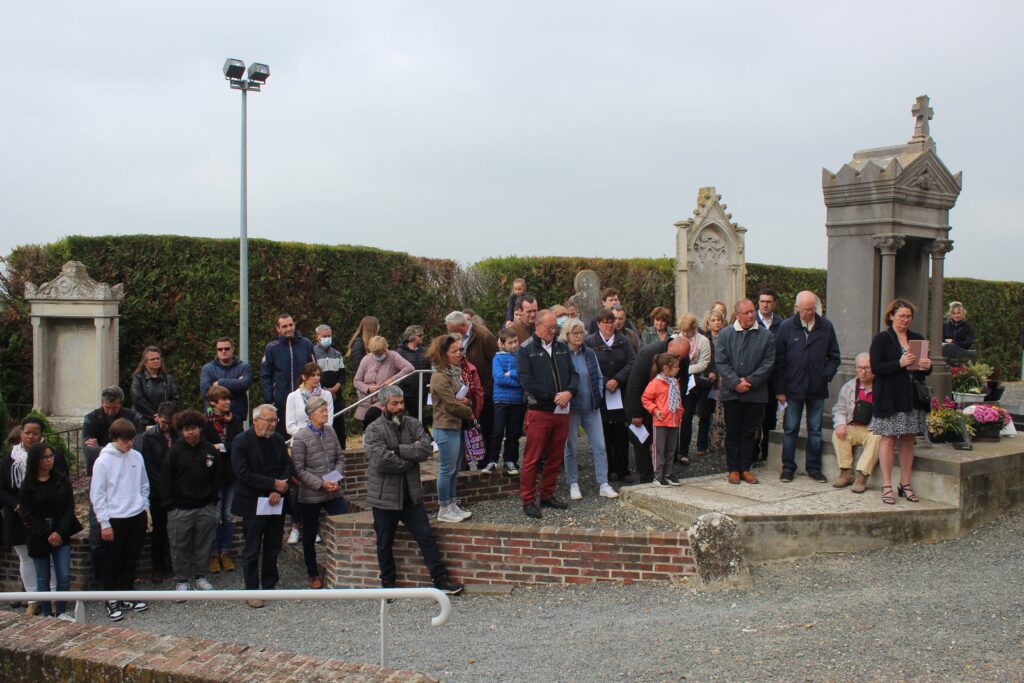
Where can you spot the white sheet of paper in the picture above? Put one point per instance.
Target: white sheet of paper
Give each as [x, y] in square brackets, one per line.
[264, 508]
[691, 384]
[640, 432]
[463, 392]
[562, 410]
[333, 475]
[430, 401]
[613, 399]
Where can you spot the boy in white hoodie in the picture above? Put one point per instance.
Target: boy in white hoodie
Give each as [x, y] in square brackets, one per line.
[120, 497]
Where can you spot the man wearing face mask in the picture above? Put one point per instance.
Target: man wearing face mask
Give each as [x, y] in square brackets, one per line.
[332, 374]
[396, 445]
[282, 364]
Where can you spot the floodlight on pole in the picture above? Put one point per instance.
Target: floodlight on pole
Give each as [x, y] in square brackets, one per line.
[234, 73]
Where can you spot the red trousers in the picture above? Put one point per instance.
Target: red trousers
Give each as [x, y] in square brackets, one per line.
[545, 433]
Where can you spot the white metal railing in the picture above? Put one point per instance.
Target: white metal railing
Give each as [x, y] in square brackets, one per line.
[382, 594]
[368, 397]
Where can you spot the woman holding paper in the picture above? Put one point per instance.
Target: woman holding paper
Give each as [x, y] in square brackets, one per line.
[700, 359]
[319, 467]
[898, 414]
[615, 358]
[585, 410]
[449, 395]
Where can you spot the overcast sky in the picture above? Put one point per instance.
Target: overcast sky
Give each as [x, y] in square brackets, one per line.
[474, 129]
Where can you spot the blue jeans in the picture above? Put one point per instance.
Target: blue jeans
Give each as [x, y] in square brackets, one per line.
[225, 532]
[62, 568]
[592, 425]
[450, 446]
[791, 425]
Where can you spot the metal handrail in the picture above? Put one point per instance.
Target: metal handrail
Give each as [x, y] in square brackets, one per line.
[382, 594]
[352, 406]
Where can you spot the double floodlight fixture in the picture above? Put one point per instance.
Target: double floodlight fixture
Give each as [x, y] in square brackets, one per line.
[234, 72]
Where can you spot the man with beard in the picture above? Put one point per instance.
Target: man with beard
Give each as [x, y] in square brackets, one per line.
[396, 445]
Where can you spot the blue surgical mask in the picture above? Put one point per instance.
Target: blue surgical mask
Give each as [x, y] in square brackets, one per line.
[325, 342]
[561, 319]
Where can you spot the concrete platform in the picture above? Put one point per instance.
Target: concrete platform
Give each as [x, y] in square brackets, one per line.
[960, 491]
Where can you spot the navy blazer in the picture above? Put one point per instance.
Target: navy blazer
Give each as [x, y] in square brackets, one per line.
[805, 363]
[255, 475]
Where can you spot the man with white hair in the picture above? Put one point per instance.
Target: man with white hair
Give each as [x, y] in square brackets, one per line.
[806, 360]
[850, 418]
[479, 347]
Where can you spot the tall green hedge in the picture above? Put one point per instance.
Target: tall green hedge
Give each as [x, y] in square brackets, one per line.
[181, 294]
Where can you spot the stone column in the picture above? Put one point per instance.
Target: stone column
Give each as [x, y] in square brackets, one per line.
[103, 356]
[39, 388]
[888, 245]
[939, 248]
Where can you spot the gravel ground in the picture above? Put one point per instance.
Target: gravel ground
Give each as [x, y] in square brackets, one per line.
[948, 611]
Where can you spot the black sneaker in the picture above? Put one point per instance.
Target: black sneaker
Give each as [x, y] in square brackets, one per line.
[114, 612]
[448, 586]
[531, 510]
[661, 481]
[786, 476]
[674, 480]
[384, 584]
[817, 476]
[554, 502]
[135, 606]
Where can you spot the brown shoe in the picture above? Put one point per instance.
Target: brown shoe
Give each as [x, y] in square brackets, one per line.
[316, 583]
[734, 477]
[845, 478]
[33, 609]
[255, 604]
[215, 564]
[701, 454]
[226, 563]
[749, 478]
[860, 483]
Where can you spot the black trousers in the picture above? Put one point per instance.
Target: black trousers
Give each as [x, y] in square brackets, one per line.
[642, 451]
[121, 556]
[158, 543]
[616, 442]
[768, 423]
[414, 517]
[690, 403]
[741, 421]
[311, 527]
[487, 429]
[262, 542]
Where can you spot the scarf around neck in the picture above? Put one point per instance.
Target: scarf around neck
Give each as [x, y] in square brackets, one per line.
[674, 398]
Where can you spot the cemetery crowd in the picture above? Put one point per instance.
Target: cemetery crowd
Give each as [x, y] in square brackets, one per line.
[184, 476]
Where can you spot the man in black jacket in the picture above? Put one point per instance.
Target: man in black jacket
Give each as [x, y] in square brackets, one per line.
[767, 300]
[262, 470]
[396, 445]
[615, 357]
[154, 444]
[550, 381]
[639, 377]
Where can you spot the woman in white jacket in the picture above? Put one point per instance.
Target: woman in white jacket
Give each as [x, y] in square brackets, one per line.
[295, 406]
[700, 358]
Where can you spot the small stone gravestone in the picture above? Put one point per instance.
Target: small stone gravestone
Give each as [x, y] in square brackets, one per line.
[715, 544]
[588, 294]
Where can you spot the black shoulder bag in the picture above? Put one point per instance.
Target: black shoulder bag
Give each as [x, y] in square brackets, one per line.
[862, 410]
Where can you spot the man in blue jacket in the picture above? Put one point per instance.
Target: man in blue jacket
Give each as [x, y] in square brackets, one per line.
[282, 364]
[227, 371]
[806, 360]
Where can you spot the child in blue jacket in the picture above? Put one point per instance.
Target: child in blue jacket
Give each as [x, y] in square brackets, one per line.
[509, 405]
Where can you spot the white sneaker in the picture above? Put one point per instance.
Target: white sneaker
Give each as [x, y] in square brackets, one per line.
[318, 540]
[511, 469]
[608, 492]
[491, 468]
[293, 537]
[203, 585]
[66, 617]
[460, 513]
[574, 492]
[183, 586]
[445, 514]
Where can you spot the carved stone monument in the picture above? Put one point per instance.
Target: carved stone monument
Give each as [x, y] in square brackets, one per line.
[710, 261]
[74, 341]
[588, 294]
[887, 221]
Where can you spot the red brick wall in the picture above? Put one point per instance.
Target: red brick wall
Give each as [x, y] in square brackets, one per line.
[508, 554]
[39, 650]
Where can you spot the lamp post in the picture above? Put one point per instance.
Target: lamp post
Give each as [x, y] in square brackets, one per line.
[235, 74]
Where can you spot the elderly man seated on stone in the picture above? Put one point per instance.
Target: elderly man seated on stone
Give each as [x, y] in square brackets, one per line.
[850, 418]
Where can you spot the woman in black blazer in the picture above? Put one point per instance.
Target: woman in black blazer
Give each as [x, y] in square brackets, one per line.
[896, 417]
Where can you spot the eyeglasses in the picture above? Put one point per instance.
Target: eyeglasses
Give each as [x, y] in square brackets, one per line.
[223, 348]
[269, 420]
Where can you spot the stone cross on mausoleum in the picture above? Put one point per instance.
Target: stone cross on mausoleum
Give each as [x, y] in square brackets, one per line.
[887, 223]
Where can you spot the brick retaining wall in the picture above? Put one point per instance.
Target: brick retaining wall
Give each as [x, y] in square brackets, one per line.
[508, 554]
[39, 650]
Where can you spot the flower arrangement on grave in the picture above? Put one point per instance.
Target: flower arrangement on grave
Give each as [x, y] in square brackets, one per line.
[944, 421]
[982, 415]
[971, 378]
